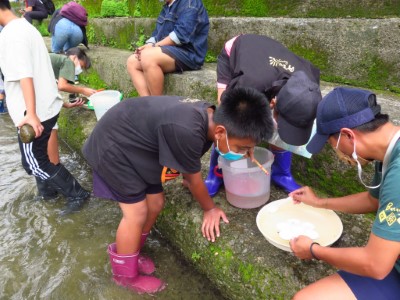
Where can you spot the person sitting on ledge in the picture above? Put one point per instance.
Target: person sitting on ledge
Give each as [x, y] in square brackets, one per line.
[179, 43]
[350, 120]
[135, 142]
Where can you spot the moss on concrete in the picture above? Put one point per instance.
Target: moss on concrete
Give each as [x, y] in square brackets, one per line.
[70, 130]
[267, 8]
[324, 171]
[91, 78]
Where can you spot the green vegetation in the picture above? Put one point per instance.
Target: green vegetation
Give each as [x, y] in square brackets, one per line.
[210, 57]
[73, 134]
[92, 79]
[114, 8]
[141, 39]
[41, 27]
[256, 8]
[138, 11]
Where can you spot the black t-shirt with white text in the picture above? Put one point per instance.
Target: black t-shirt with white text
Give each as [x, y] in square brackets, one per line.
[137, 137]
[258, 61]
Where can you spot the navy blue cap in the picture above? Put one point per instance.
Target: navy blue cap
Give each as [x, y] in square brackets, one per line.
[342, 108]
[296, 105]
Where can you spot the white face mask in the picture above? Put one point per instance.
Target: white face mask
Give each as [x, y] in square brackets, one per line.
[354, 160]
[78, 70]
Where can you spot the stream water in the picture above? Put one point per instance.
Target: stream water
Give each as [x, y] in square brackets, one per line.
[45, 256]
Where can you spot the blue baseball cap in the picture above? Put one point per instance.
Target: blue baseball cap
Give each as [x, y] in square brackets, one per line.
[342, 108]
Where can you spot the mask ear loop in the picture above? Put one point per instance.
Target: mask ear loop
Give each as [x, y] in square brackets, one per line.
[359, 168]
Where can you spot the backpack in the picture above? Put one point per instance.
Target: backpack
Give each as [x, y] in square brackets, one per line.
[49, 5]
[75, 13]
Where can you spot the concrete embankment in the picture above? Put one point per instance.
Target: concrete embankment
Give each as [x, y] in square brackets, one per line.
[241, 263]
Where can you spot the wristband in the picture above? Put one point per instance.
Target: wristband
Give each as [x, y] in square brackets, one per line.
[311, 251]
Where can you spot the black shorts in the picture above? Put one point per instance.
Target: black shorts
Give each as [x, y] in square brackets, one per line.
[102, 190]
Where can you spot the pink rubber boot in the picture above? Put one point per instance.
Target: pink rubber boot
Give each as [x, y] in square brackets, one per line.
[146, 265]
[125, 273]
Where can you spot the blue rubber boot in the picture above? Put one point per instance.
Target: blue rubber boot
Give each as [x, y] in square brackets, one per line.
[3, 108]
[281, 174]
[214, 179]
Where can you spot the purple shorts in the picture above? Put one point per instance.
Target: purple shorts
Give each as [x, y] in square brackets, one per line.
[102, 190]
[366, 288]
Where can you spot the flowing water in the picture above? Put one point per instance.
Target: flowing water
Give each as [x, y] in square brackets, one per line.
[45, 256]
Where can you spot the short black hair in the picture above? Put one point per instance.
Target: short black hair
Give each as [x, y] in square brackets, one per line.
[81, 54]
[5, 4]
[380, 120]
[245, 113]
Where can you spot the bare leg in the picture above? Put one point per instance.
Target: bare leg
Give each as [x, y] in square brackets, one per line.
[136, 73]
[131, 226]
[154, 64]
[155, 203]
[329, 288]
[52, 148]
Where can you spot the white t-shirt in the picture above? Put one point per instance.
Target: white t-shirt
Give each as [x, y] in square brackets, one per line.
[23, 54]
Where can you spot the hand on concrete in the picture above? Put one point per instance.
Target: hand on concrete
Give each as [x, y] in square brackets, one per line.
[210, 227]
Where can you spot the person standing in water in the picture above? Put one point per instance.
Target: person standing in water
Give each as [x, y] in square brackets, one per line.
[130, 153]
[33, 99]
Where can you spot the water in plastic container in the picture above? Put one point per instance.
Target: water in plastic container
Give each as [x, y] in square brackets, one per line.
[246, 185]
[103, 101]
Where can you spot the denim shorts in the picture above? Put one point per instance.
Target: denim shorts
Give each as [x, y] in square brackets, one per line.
[182, 59]
[366, 288]
[102, 190]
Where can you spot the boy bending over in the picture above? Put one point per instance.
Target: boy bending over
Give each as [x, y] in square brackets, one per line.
[138, 138]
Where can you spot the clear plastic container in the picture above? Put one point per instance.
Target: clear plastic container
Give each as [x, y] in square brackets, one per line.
[246, 185]
[103, 101]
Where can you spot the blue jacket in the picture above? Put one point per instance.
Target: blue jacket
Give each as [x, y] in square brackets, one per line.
[186, 23]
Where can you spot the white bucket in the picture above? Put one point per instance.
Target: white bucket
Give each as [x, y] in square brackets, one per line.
[246, 185]
[103, 101]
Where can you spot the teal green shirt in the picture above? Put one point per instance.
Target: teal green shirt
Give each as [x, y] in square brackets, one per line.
[387, 222]
[62, 67]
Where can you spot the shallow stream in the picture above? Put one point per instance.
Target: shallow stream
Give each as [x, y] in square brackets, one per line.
[45, 256]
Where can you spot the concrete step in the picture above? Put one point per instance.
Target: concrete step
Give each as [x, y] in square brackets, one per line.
[362, 52]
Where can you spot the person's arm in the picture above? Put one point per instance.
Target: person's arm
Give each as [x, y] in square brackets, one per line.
[374, 260]
[212, 213]
[31, 117]
[185, 26]
[360, 203]
[167, 41]
[65, 86]
[220, 91]
[224, 71]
